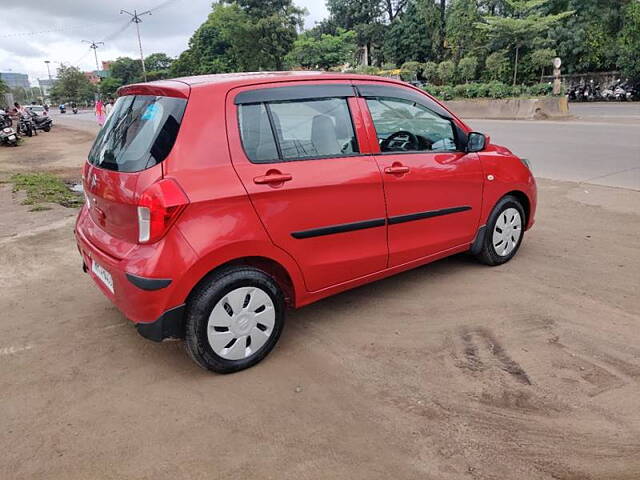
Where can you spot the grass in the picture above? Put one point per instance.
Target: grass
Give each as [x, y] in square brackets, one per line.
[44, 188]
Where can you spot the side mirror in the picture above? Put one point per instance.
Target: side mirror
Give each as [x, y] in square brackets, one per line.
[476, 142]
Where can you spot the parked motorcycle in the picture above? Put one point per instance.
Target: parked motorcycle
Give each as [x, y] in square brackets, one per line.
[26, 126]
[8, 135]
[41, 122]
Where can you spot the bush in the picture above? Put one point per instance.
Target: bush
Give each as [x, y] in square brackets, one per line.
[467, 68]
[541, 89]
[446, 71]
[430, 71]
[447, 92]
[461, 91]
[498, 90]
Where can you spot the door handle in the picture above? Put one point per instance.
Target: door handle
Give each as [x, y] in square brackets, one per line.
[397, 168]
[273, 178]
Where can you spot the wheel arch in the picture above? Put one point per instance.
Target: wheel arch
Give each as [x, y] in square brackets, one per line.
[523, 199]
[268, 265]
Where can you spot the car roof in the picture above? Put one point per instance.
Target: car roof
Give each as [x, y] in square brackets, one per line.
[249, 78]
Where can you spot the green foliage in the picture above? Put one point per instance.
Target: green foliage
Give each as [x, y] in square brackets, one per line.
[467, 68]
[527, 22]
[323, 51]
[3, 87]
[158, 66]
[446, 71]
[241, 35]
[629, 43]
[72, 86]
[463, 37]
[430, 72]
[127, 70]
[497, 65]
[542, 58]
[492, 89]
[413, 35]
[108, 87]
[44, 188]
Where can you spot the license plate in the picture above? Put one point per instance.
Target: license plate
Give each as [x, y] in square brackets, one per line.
[103, 275]
[12, 137]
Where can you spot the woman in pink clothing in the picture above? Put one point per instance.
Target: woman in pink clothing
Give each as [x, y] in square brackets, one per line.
[100, 113]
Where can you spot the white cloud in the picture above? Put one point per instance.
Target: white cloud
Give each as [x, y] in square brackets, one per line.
[65, 23]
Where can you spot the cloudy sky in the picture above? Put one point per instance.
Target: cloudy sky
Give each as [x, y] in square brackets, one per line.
[40, 30]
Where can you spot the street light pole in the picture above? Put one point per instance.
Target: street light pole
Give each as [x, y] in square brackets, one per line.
[94, 46]
[135, 18]
[48, 71]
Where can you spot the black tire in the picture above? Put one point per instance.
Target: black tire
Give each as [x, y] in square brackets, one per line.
[46, 129]
[29, 132]
[205, 298]
[488, 254]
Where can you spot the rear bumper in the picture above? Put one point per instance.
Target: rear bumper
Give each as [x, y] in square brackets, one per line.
[144, 296]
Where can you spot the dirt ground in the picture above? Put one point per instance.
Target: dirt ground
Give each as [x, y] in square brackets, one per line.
[454, 370]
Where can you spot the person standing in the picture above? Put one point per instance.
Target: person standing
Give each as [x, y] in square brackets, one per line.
[108, 107]
[100, 114]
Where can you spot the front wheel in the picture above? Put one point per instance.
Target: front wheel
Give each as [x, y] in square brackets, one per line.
[504, 233]
[47, 128]
[234, 319]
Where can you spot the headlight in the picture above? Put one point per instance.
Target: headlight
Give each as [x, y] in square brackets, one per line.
[7, 130]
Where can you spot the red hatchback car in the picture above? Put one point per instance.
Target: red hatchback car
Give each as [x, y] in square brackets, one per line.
[213, 203]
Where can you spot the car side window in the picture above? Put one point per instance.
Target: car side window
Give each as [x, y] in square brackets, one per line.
[304, 129]
[406, 126]
[256, 134]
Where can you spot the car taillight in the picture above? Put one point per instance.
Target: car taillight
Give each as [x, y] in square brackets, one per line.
[158, 208]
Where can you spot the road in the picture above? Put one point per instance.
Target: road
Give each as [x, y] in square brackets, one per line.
[601, 147]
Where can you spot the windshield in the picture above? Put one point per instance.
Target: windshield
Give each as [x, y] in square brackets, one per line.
[139, 133]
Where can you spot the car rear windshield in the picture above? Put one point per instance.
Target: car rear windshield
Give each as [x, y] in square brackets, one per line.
[139, 133]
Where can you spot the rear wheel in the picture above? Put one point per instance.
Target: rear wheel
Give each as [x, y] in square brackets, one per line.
[504, 232]
[47, 128]
[234, 319]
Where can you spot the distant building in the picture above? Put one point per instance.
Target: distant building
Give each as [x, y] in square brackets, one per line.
[106, 65]
[92, 77]
[15, 80]
[46, 84]
[102, 73]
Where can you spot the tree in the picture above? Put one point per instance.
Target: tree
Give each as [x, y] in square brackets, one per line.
[72, 86]
[461, 34]
[414, 34]
[446, 71]
[542, 58]
[517, 30]
[324, 51]
[3, 87]
[108, 87]
[497, 65]
[363, 17]
[158, 61]
[127, 70]
[467, 68]
[587, 41]
[629, 42]
[241, 35]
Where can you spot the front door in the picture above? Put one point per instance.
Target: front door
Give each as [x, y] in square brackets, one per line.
[433, 190]
[297, 152]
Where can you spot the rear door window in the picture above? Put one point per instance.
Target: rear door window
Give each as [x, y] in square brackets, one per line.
[297, 130]
[139, 133]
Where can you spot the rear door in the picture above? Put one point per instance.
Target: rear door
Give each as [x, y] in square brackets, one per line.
[433, 188]
[296, 148]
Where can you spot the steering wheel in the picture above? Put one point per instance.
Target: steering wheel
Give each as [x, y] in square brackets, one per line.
[394, 143]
